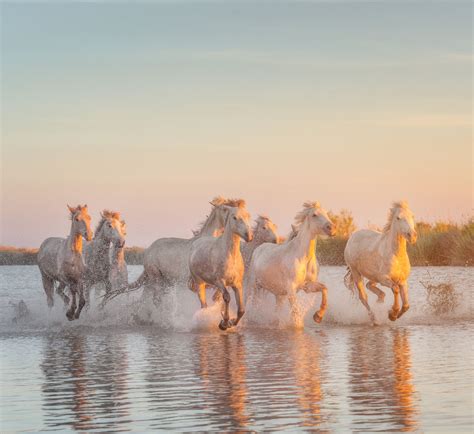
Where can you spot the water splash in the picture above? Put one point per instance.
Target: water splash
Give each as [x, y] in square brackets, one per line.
[179, 308]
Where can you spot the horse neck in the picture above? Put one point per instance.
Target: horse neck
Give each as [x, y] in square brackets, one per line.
[304, 243]
[118, 255]
[101, 244]
[210, 225]
[395, 244]
[75, 241]
[229, 241]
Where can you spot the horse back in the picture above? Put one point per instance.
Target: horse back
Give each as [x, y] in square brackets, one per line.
[48, 256]
[168, 258]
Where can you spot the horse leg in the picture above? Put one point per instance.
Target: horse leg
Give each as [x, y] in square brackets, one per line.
[371, 286]
[279, 299]
[404, 297]
[82, 300]
[217, 296]
[200, 290]
[225, 323]
[72, 308]
[393, 313]
[293, 307]
[239, 298]
[319, 287]
[363, 296]
[60, 292]
[108, 286]
[48, 285]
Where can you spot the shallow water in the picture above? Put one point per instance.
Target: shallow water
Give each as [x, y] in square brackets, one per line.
[137, 367]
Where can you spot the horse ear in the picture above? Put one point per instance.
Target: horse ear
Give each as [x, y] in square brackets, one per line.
[85, 206]
[71, 209]
[293, 228]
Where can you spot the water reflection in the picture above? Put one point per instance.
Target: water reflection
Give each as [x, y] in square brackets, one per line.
[306, 355]
[80, 392]
[222, 368]
[381, 388]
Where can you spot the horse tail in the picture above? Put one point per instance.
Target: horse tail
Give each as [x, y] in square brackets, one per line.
[139, 282]
[349, 281]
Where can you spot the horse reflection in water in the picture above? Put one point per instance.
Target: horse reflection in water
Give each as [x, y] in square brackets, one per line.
[84, 394]
[222, 370]
[381, 381]
[307, 370]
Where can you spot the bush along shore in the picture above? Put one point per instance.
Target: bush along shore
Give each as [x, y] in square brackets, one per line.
[439, 243]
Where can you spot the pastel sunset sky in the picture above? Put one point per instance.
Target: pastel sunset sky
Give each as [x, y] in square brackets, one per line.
[153, 108]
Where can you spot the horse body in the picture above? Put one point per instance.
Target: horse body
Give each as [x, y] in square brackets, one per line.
[264, 231]
[166, 260]
[97, 253]
[218, 262]
[60, 260]
[118, 274]
[284, 269]
[381, 257]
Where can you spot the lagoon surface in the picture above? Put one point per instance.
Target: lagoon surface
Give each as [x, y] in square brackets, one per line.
[134, 366]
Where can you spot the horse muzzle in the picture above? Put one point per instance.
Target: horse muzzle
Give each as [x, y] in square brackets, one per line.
[331, 231]
[412, 237]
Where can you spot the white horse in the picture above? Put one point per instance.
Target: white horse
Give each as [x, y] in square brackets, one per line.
[284, 269]
[60, 260]
[109, 232]
[381, 257]
[264, 231]
[118, 274]
[165, 262]
[218, 262]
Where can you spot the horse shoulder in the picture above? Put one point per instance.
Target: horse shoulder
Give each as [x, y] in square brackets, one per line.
[400, 267]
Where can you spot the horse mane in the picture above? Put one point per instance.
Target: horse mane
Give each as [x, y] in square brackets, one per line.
[217, 202]
[237, 203]
[260, 220]
[106, 214]
[403, 204]
[308, 208]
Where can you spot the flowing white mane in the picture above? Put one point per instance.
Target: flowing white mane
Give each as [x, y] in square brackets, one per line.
[396, 206]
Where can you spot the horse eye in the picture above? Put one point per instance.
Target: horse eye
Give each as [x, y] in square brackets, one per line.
[77, 219]
[235, 218]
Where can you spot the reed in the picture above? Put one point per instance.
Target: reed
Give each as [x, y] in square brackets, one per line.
[439, 243]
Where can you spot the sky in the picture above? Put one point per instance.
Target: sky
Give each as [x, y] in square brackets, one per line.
[154, 108]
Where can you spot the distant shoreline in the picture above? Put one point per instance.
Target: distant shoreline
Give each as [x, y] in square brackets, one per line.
[329, 252]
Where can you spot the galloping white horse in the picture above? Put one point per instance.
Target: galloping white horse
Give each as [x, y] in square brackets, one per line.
[284, 269]
[264, 231]
[60, 260]
[381, 257]
[165, 262]
[97, 253]
[118, 274]
[218, 262]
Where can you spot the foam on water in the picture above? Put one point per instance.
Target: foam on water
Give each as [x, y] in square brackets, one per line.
[179, 308]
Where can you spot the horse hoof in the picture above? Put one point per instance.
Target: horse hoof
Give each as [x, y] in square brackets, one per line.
[70, 317]
[317, 318]
[223, 325]
[380, 299]
[392, 316]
